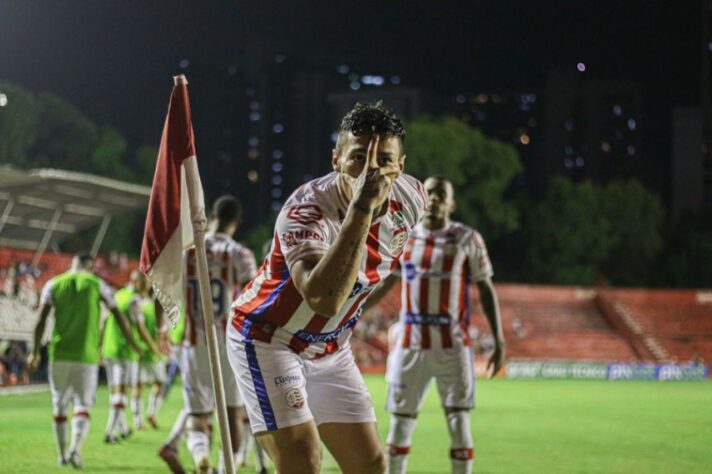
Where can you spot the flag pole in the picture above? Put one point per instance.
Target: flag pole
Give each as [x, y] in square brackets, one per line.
[197, 213]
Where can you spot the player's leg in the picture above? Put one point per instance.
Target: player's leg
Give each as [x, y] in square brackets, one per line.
[129, 374]
[116, 402]
[198, 401]
[271, 381]
[456, 385]
[169, 450]
[84, 379]
[155, 399]
[235, 406]
[246, 441]
[136, 401]
[61, 398]
[344, 413]
[408, 380]
[294, 449]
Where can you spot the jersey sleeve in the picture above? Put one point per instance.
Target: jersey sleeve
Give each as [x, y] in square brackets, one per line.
[46, 294]
[415, 199]
[477, 256]
[244, 264]
[107, 294]
[302, 232]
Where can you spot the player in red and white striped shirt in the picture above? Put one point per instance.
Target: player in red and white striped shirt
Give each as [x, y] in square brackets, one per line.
[230, 266]
[335, 239]
[440, 260]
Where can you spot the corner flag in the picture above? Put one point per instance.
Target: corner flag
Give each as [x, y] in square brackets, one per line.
[169, 229]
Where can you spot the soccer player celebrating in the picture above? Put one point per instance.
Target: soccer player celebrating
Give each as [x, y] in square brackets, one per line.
[440, 260]
[74, 348]
[334, 240]
[120, 359]
[230, 265]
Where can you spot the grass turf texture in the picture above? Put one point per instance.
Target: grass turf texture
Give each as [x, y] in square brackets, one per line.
[521, 426]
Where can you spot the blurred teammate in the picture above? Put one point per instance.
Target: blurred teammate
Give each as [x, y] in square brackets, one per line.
[230, 266]
[441, 259]
[120, 359]
[151, 367]
[74, 348]
[335, 238]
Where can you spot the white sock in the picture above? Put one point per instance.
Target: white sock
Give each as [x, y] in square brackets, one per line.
[80, 429]
[399, 439]
[178, 429]
[461, 445]
[155, 400]
[246, 441]
[136, 409]
[121, 422]
[115, 408]
[198, 445]
[235, 461]
[59, 427]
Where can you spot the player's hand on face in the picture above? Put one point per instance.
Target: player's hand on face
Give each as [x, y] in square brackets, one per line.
[33, 361]
[496, 360]
[373, 185]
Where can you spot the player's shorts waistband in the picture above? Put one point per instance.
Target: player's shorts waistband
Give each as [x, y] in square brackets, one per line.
[428, 319]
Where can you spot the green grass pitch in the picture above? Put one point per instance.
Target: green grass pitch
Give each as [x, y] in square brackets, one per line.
[520, 426]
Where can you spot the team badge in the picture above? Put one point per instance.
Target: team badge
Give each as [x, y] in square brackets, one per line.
[395, 246]
[295, 399]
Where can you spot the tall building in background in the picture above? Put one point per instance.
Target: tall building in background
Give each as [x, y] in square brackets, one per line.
[511, 117]
[592, 128]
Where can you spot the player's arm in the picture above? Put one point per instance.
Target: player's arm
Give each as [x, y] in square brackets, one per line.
[33, 360]
[326, 282]
[135, 309]
[490, 306]
[164, 340]
[381, 290]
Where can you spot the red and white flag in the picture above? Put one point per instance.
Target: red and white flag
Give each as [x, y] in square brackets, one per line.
[169, 228]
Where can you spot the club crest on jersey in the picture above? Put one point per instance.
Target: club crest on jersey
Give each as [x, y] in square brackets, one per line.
[397, 243]
[294, 398]
[305, 213]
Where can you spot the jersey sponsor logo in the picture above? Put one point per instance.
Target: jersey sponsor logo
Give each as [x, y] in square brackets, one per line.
[409, 271]
[305, 213]
[292, 239]
[294, 398]
[287, 380]
[317, 337]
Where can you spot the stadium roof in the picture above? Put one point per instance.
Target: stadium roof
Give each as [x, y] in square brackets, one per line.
[41, 208]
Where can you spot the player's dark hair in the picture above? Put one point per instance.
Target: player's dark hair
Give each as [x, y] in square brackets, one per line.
[83, 257]
[367, 119]
[226, 209]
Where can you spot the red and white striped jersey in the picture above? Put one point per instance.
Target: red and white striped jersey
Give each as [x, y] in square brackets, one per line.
[271, 310]
[229, 264]
[436, 270]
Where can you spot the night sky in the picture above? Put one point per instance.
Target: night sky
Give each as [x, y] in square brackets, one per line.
[114, 59]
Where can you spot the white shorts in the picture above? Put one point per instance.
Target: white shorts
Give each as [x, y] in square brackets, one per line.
[72, 382]
[121, 372]
[198, 395]
[409, 372]
[152, 372]
[281, 389]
